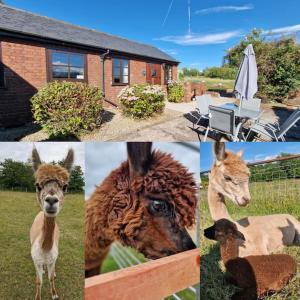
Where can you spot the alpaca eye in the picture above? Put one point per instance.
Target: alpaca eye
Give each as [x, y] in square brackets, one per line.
[227, 178]
[65, 188]
[38, 187]
[158, 207]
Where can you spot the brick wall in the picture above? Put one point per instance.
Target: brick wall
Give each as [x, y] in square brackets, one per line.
[25, 70]
[136, 68]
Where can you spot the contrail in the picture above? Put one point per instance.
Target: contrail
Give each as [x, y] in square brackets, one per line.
[168, 12]
[189, 14]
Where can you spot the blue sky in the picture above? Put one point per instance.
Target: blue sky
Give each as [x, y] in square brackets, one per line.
[252, 151]
[215, 25]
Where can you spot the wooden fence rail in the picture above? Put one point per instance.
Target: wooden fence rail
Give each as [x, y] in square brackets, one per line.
[152, 280]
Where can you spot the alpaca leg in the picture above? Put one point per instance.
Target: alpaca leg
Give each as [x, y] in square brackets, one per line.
[39, 281]
[51, 276]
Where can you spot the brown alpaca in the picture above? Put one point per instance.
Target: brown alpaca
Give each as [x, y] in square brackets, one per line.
[146, 204]
[259, 275]
[229, 177]
[51, 184]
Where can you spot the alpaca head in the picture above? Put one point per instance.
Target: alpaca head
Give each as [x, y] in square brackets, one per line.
[230, 175]
[51, 182]
[223, 230]
[156, 200]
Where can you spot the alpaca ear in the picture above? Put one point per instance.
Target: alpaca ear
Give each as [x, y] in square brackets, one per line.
[210, 232]
[219, 150]
[240, 153]
[35, 157]
[240, 236]
[69, 160]
[139, 157]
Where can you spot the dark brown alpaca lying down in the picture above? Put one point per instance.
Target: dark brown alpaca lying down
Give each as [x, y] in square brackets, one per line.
[258, 275]
[146, 204]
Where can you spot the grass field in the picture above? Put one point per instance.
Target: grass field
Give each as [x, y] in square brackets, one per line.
[213, 83]
[213, 286]
[17, 271]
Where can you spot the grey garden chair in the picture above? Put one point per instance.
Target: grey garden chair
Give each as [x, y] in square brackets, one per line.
[222, 120]
[202, 109]
[275, 131]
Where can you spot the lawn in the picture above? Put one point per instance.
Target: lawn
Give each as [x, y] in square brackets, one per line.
[213, 83]
[17, 276]
[212, 281]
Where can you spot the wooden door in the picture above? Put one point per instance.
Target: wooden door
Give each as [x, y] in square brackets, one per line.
[153, 73]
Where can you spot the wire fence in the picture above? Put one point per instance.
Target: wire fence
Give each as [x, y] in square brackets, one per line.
[275, 179]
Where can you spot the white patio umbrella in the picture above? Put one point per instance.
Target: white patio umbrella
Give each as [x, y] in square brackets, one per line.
[246, 82]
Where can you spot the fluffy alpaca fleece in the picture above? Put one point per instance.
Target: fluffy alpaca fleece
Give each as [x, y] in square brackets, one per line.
[258, 275]
[116, 210]
[47, 172]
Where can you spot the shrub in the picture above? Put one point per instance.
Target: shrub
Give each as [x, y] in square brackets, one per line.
[175, 91]
[224, 72]
[142, 101]
[63, 108]
[278, 63]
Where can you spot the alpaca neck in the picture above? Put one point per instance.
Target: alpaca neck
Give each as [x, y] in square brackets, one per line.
[217, 206]
[48, 233]
[229, 250]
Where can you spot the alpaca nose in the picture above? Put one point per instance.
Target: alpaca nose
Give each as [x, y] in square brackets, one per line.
[51, 200]
[187, 242]
[247, 199]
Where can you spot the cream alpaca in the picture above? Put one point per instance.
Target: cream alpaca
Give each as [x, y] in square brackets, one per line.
[264, 234]
[51, 183]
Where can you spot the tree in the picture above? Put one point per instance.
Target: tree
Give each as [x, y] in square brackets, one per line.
[278, 63]
[76, 184]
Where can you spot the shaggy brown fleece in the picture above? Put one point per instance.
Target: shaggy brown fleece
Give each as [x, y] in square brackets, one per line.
[47, 172]
[116, 211]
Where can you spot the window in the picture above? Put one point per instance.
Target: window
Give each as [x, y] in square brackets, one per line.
[168, 73]
[120, 71]
[64, 65]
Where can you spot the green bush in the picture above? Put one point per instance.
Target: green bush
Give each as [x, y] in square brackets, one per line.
[142, 101]
[175, 91]
[225, 72]
[278, 63]
[63, 108]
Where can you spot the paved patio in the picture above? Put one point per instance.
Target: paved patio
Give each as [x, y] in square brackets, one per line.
[174, 124]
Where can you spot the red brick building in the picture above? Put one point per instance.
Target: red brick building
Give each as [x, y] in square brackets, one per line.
[35, 50]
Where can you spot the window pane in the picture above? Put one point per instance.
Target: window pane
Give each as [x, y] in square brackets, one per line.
[77, 73]
[116, 62]
[125, 79]
[153, 73]
[59, 58]
[76, 60]
[117, 71]
[125, 71]
[125, 63]
[59, 72]
[117, 79]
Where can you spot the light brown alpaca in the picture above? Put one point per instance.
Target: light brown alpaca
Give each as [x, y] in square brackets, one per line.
[51, 183]
[146, 204]
[264, 234]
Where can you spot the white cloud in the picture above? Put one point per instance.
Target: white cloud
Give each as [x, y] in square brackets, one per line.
[49, 151]
[200, 39]
[283, 30]
[218, 9]
[169, 51]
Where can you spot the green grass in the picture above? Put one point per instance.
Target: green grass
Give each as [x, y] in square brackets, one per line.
[213, 83]
[17, 275]
[212, 281]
